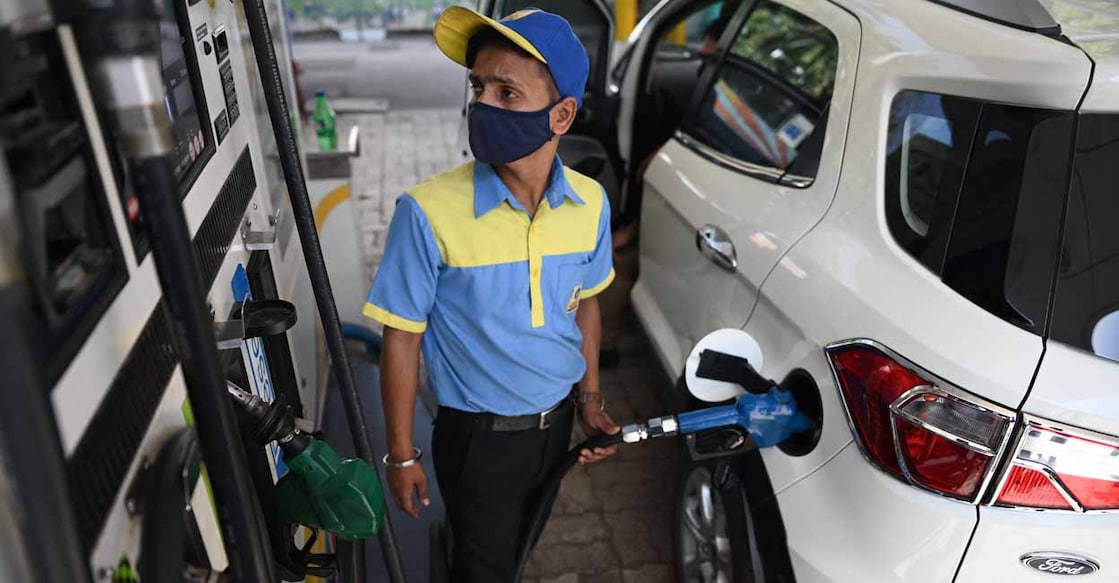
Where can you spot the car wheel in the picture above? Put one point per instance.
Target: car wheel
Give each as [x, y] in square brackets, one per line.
[704, 552]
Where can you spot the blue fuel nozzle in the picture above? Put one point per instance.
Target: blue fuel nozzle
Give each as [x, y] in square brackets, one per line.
[770, 417]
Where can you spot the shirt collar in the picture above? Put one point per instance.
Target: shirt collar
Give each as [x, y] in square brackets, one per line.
[490, 191]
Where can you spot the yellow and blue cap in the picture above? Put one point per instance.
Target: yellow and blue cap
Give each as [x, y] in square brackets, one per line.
[547, 37]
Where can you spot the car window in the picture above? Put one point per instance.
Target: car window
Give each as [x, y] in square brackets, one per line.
[1086, 306]
[1006, 233]
[928, 142]
[697, 33]
[771, 91]
[590, 24]
[974, 191]
[681, 49]
[792, 47]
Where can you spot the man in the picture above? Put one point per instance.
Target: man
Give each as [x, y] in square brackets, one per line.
[492, 270]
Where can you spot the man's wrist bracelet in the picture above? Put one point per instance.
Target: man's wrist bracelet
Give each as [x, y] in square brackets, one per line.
[416, 455]
[584, 397]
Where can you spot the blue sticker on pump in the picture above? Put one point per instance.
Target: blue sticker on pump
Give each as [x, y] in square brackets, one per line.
[240, 283]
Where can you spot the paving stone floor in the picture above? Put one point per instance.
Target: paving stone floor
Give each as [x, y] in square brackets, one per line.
[613, 520]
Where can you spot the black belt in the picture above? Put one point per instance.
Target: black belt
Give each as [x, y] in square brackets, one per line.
[494, 422]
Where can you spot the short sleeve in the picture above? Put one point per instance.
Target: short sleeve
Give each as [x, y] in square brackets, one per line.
[403, 291]
[601, 271]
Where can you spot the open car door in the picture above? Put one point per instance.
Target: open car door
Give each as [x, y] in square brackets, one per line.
[591, 145]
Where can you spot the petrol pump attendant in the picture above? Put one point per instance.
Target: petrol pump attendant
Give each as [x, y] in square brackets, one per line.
[491, 270]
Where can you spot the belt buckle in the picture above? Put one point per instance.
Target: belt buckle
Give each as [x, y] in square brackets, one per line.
[544, 421]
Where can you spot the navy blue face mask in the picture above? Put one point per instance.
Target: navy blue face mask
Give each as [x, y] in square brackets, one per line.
[501, 136]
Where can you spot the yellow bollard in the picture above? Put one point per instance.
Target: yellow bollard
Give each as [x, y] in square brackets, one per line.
[625, 18]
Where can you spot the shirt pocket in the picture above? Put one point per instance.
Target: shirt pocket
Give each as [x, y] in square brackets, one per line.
[571, 274]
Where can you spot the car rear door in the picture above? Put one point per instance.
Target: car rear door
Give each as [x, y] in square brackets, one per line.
[753, 167]
[1055, 509]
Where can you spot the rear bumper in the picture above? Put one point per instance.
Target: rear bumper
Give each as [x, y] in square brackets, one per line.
[850, 523]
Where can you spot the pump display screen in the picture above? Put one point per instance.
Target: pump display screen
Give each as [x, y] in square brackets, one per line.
[190, 141]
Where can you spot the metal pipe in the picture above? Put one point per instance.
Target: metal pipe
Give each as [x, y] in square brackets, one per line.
[120, 42]
[278, 112]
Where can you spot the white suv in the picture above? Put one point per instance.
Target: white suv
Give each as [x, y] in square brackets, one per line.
[913, 206]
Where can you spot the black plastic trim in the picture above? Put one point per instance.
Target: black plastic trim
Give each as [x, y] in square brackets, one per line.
[166, 501]
[1027, 15]
[98, 466]
[262, 284]
[212, 241]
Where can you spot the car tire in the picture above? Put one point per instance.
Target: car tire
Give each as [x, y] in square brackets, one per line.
[710, 528]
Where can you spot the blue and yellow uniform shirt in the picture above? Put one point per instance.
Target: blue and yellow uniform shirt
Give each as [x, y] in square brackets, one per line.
[493, 290]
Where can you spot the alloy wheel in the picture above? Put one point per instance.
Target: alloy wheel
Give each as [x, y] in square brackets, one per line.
[702, 534]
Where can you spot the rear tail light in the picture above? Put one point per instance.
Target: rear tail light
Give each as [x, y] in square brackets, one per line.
[1062, 468]
[915, 426]
[1032, 488]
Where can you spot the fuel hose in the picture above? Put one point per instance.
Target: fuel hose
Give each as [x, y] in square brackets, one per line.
[551, 490]
[770, 417]
[278, 112]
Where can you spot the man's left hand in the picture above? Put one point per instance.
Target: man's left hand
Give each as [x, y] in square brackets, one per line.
[595, 421]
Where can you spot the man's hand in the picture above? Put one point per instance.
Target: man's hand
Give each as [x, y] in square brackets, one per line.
[622, 238]
[403, 482]
[594, 422]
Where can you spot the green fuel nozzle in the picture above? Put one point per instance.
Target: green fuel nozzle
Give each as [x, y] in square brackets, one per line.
[321, 490]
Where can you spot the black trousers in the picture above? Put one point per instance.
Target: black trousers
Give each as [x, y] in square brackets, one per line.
[490, 482]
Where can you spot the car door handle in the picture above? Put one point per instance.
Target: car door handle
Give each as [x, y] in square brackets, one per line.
[714, 244]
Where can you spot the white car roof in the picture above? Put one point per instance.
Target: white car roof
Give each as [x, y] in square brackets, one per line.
[1094, 26]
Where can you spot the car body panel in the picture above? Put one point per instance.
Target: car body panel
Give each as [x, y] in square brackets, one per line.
[786, 347]
[1104, 93]
[929, 47]
[845, 281]
[1094, 27]
[847, 524]
[847, 278]
[1076, 388]
[1005, 535]
[684, 191]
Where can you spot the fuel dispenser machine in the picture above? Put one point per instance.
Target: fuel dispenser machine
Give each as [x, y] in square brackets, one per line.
[159, 298]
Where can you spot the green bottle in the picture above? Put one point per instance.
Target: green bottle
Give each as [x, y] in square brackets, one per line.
[324, 123]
